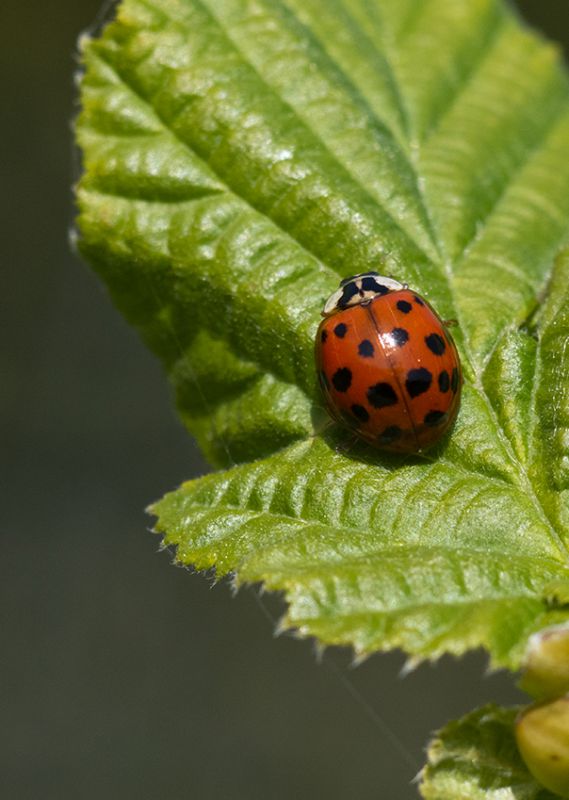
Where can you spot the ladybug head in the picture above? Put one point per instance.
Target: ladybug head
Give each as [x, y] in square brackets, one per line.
[359, 289]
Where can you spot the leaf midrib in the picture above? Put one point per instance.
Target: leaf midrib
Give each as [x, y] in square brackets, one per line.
[453, 97]
[404, 117]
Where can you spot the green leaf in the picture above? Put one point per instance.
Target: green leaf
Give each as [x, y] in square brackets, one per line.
[242, 155]
[477, 758]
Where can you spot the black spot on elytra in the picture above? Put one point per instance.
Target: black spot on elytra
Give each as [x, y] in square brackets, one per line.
[418, 381]
[381, 394]
[323, 336]
[360, 412]
[433, 418]
[418, 301]
[454, 380]
[404, 306]
[444, 381]
[365, 348]
[349, 290]
[324, 380]
[399, 336]
[435, 343]
[340, 330]
[342, 379]
[390, 434]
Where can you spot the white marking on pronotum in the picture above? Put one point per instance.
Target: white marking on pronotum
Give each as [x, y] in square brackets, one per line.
[357, 290]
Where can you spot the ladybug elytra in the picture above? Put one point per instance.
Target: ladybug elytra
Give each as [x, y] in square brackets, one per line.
[388, 367]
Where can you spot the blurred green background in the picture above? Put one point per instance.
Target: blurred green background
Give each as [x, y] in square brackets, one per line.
[121, 676]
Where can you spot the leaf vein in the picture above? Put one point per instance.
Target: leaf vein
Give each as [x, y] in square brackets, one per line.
[317, 136]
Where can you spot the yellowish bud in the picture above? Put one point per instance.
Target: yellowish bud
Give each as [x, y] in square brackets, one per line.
[546, 665]
[542, 734]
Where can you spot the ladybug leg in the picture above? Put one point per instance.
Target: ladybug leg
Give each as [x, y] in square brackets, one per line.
[343, 448]
[450, 323]
[322, 428]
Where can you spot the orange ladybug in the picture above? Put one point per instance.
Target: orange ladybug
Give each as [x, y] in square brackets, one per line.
[388, 367]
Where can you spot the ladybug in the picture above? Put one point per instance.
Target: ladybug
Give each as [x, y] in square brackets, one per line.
[387, 366]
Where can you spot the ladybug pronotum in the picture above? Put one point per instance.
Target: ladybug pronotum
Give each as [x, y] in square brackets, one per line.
[388, 367]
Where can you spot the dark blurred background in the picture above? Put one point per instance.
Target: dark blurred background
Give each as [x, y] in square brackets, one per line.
[120, 675]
